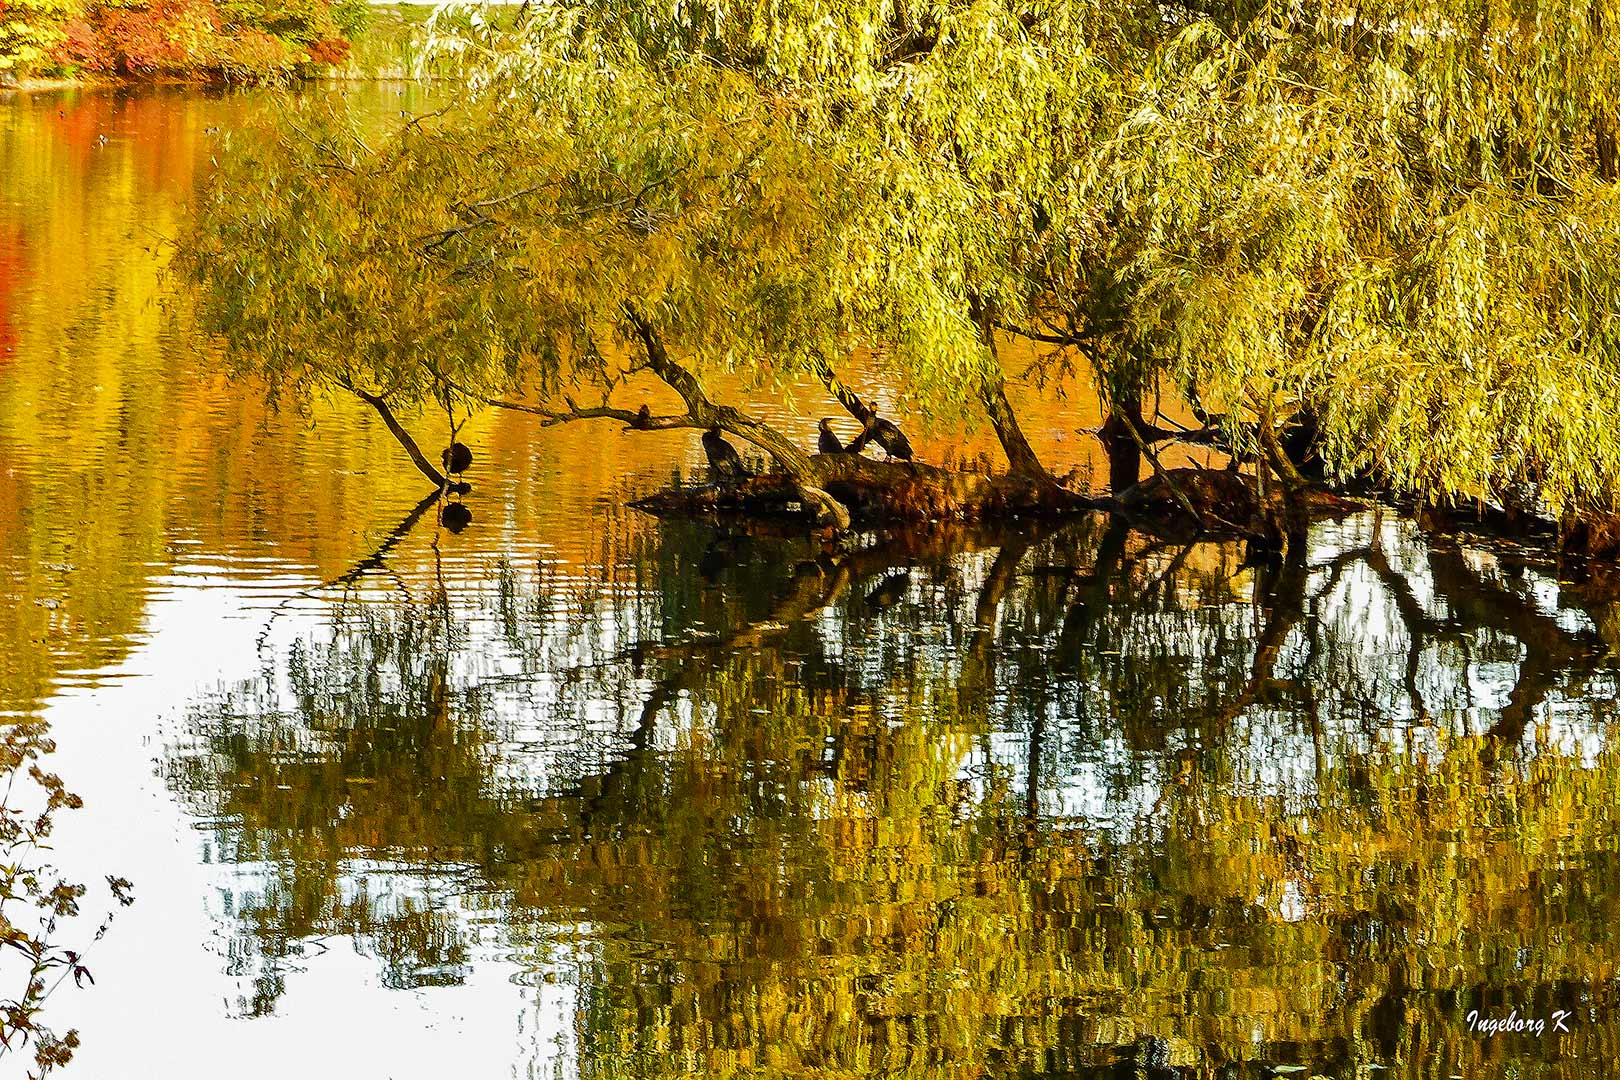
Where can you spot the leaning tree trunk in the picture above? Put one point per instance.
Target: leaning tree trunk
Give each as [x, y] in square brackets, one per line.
[1020, 456]
[993, 392]
[404, 439]
[704, 413]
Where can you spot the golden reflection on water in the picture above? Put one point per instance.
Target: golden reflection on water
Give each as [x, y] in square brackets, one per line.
[127, 453]
[958, 804]
[911, 841]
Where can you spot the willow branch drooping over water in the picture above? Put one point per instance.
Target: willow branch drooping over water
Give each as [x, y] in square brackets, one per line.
[1399, 223]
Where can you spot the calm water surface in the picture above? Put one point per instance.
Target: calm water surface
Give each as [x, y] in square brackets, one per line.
[577, 794]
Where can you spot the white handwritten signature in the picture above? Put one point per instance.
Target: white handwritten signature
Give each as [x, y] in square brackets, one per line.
[1492, 1025]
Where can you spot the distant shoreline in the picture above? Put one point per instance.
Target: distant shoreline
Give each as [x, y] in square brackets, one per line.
[81, 82]
[105, 82]
[387, 49]
[29, 86]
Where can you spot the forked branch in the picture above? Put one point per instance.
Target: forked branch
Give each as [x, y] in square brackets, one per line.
[701, 412]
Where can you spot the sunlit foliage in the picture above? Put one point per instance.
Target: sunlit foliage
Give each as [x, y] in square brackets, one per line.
[550, 218]
[1398, 221]
[1401, 221]
[31, 31]
[234, 39]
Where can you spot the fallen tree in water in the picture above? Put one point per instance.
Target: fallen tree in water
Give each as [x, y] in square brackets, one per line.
[879, 492]
[601, 199]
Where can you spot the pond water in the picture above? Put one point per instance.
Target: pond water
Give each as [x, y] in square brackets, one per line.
[576, 793]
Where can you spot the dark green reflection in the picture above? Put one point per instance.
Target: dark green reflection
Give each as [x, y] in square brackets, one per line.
[1069, 803]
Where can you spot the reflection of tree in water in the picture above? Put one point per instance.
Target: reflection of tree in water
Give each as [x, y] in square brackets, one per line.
[1043, 805]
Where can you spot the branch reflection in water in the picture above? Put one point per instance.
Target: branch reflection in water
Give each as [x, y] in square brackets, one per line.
[1072, 802]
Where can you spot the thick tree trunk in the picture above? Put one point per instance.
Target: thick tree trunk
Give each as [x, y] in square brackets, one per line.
[1020, 456]
[1124, 464]
[1123, 450]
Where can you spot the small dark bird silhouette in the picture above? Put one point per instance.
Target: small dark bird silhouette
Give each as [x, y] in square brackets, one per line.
[455, 516]
[891, 438]
[723, 552]
[889, 592]
[828, 442]
[643, 419]
[712, 564]
[457, 459]
[724, 463]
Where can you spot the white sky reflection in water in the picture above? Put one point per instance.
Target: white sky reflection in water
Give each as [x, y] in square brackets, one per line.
[169, 943]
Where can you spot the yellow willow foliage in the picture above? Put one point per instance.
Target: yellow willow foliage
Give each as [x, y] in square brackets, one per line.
[509, 242]
[1398, 219]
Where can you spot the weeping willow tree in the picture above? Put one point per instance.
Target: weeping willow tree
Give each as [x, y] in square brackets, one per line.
[1387, 226]
[1391, 225]
[555, 235]
[1396, 222]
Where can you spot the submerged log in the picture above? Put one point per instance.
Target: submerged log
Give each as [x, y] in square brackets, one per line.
[878, 492]
[914, 491]
[771, 496]
[889, 492]
[1225, 502]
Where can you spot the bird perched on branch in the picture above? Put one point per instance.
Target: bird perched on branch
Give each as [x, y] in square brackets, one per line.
[828, 442]
[643, 419]
[724, 462]
[457, 458]
[890, 437]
